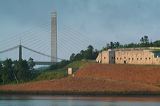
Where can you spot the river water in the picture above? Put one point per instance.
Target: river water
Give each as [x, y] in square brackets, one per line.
[77, 101]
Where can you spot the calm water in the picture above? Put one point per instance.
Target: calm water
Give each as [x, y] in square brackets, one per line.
[77, 101]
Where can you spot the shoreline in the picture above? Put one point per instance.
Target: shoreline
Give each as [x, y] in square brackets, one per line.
[81, 93]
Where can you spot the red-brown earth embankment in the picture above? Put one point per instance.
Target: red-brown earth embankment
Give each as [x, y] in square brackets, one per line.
[98, 79]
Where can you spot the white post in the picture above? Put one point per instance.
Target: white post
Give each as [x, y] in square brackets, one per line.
[70, 71]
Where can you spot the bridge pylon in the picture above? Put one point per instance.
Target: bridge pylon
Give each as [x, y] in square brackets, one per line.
[20, 52]
[54, 37]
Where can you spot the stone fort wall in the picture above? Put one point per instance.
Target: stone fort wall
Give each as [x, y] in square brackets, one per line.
[128, 57]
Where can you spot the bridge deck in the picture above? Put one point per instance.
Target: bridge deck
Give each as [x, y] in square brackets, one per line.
[41, 63]
[44, 63]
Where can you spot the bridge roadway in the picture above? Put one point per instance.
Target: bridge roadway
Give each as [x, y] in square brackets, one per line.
[41, 62]
[44, 63]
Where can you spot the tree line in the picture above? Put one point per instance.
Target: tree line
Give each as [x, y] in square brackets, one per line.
[143, 42]
[20, 71]
[16, 71]
[89, 54]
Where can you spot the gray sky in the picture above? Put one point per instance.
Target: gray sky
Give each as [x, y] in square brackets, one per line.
[80, 22]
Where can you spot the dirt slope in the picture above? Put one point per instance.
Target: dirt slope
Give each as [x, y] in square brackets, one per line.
[133, 73]
[99, 78]
[80, 84]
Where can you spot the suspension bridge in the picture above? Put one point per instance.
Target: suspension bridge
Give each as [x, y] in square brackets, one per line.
[38, 43]
[36, 62]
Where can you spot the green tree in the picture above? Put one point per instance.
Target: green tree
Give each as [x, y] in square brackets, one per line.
[58, 65]
[116, 44]
[144, 41]
[7, 71]
[78, 57]
[22, 71]
[31, 64]
[95, 54]
[156, 43]
[82, 53]
[72, 57]
[89, 52]
[111, 45]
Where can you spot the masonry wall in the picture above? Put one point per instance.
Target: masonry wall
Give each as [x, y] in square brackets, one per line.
[134, 57]
[103, 57]
[129, 57]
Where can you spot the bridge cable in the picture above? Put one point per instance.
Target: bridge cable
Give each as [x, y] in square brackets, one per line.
[40, 53]
[9, 49]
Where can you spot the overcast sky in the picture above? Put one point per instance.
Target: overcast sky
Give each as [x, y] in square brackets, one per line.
[97, 21]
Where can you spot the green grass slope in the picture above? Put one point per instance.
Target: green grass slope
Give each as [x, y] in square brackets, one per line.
[61, 72]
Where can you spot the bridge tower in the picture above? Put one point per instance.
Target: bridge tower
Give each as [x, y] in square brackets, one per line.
[53, 37]
[20, 52]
